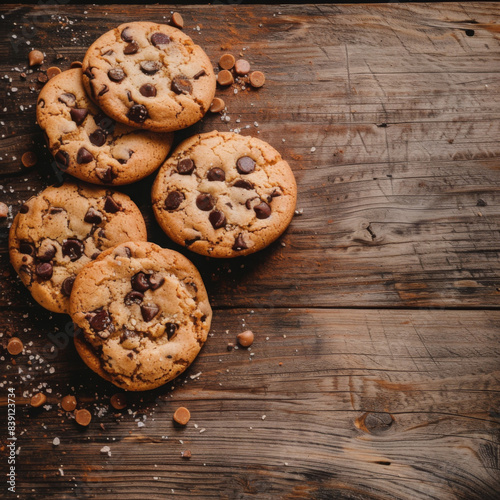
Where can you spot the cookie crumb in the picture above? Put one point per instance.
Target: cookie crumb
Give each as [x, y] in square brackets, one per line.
[56, 441]
[4, 210]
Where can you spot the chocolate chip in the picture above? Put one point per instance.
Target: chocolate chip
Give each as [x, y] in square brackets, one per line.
[67, 286]
[95, 255]
[217, 219]
[46, 252]
[174, 199]
[93, 216]
[185, 166]
[131, 48]
[44, 271]
[68, 98]
[84, 156]
[26, 270]
[216, 174]
[24, 209]
[78, 115]
[128, 335]
[108, 53]
[111, 206]
[150, 67]
[205, 202]
[239, 243]
[72, 248]
[171, 329]
[148, 90]
[100, 320]
[140, 282]
[125, 160]
[105, 174]
[159, 39]
[103, 91]
[240, 183]
[250, 202]
[123, 252]
[200, 74]
[262, 210]
[156, 280]
[245, 165]
[127, 35]
[26, 248]
[101, 233]
[56, 210]
[138, 113]
[97, 137]
[275, 193]
[181, 85]
[116, 75]
[129, 96]
[133, 297]
[62, 160]
[149, 311]
[105, 122]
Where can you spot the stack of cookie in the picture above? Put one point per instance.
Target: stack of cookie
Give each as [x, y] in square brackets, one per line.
[142, 311]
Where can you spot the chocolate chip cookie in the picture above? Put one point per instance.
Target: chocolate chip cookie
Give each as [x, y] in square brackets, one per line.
[63, 228]
[222, 194]
[143, 312]
[88, 144]
[150, 76]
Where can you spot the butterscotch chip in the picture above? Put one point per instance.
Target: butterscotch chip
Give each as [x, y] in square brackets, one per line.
[29, 159]
[4, 210]
[118, 401]
[225, 78]
[76, 64]
[177, 21]
[38, 399]
[242, 67]
[35, 58]
[83, 417]
[15, 346]
[227, 61]
[68, 403]
[42, 78]
[217, 105]
[182, 415]
[53, 71]
[257, 79]
[245, 338]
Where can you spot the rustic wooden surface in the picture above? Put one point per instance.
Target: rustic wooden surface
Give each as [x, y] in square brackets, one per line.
[376, 360]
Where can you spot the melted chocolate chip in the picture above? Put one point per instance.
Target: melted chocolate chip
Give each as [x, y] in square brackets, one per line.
[205, 202]
[174, 199]
[100, 321]
[129, 96]
[245, 165]
[78, 115]
[111, 206]
[262, 210]
[217, 219]
[189, 242]
[126, 35]
[123, 252]
[240, 183]
[239, 243]
[44, 271]
[150, 67]
[103, 91]
[68, 99]
[105, 122]
[67, 286]
[138, 113]
[159, 39]
[84, 156]
[97, 137]
[56, 210]
[249, 203]
[185, 166]
[95, 255]
[93, 216]
[149, 311]
[140, 282]
[105, 174]
[131, 48]
[171, 329]
[72, 248]
[148, 90]
[26, 248]
[156, 280]
[24, 209]
[108, 53]
[216, 174]
[128, 335]
[200, 74]
[62, 160]
[88, 73]
[116, 75]
[181, 85]
[133, 297]
[46, 252]
[274, 194]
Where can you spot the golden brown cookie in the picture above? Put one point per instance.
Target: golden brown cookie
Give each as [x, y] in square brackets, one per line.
[222, 194]
[150, 76]
[63, 228]
[90, 145]
[144, 315]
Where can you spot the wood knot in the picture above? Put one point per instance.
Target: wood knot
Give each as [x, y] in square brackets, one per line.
[374, 422]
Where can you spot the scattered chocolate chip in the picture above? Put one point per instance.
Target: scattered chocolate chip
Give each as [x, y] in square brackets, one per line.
[156, 280]
[217, 105]
[78, 115]
[257, 79]
[149, 311]
[150, 67]
[35, 58]
[133, 297]
[24, 209]
[46, 252]
[44, 271]
[72, 248]
[185, 166]
[138, 113]
[131, 48]
[159, 39]
[262, 210]
[15, 346]
[241, 67]
[68, 98]
[217, 219]
[38, 399]
[176, 20]
[126, 35]
[62, 160]
[205, 202]
[225, 77]
[27, 248]
[103, 91]
[240, 183]
[200, 73]
[68, 403]
[67, 286]
[181, 85]
[140, 282]
[174, 199]
[93, 216]
[148, 90]
[111, 206]
[118, 401]
[216, 174]
[239, 243]
[116, 75]
[227, 61]
[171, 330]
[100, 321]
[97, 137]
[83, 417]
[53, 71]
[245, 165]
[105, 174]
[182, 415]
[245, 338]
[84, 156]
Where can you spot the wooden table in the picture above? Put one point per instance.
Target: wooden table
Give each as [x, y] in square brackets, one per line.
[375, 370]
